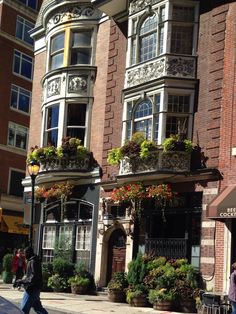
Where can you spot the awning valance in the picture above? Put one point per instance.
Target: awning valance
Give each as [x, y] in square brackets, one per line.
[13, 224]
[224, 205]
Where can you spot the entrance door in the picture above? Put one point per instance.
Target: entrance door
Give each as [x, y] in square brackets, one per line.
[116, 253]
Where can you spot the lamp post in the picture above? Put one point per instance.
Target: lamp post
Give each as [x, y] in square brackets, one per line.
[33, 169]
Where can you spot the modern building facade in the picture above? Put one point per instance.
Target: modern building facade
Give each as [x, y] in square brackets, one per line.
[106, 69]
[17, 18]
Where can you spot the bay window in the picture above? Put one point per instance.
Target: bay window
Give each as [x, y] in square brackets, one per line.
[157, 117]
[81, 47]
[57, 51]
[76, 121]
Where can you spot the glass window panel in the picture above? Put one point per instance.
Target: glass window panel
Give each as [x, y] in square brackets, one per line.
[149, 24]
[52, 117]
[182, 39]
[76, 114]
[57, 61]
[49, 237]
[16, 187]
[157, 102]
[81, 39]
[24, 102]
[76, 132]
[52, 137]
[144, 126]
[83, 237]
[85, 211]
[57, 42]
[143, 109]
[14, 98]
[183, 14]
[17, 64]
[26, 68]
[81, 56]
[128, 130]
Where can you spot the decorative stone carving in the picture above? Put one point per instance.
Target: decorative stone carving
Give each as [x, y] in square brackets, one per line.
[77, 84]
[72, 13]
[138, 5]
[176, 66]
[175, 161]
[54, 87]
[146, 73]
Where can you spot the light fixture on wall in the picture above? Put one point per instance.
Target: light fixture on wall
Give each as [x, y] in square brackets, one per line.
[107, 222]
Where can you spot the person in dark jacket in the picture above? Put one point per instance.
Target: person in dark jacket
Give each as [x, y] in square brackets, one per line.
[32, 282]
[232, 289]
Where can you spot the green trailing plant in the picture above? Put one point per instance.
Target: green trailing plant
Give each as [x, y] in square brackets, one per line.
[174, 143]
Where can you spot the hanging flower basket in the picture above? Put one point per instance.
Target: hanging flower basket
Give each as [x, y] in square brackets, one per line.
[162, 194]
[57, 191]
[130, 192]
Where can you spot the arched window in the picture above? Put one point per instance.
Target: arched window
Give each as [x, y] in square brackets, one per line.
[143, 118]
[148, 38]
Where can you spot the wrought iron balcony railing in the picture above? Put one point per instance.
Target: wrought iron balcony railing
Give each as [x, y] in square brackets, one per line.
[168, 247]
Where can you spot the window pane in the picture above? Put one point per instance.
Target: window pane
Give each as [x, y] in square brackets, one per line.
[143, 109]
[57, 42]
[52, 138]
[76, 114]
[144, 126]
[49, 236]
[183, 14]
[148, 47]
[26, 68]
[57, 61]
[182, 39]
[81, 56]
[24, 102]
[76, 132]
[81, 39]
[85, 211]
[17, 64]
[149, 24]
[14, 94]
[16, 187]
[52, 117]
[21, 139]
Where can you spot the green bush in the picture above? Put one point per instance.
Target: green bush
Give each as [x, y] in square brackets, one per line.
[118, 281]
[63, 267]
[81, 271]
[7, 276]
[47, 271]
[58, 283]
[7, 262]
[137, 270]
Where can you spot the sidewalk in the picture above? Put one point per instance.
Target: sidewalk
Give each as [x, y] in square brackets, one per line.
[77, 304]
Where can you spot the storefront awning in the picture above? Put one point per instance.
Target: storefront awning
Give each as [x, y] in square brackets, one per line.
[224, 205]
[13, 224]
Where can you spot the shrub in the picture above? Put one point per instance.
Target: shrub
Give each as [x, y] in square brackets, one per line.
[118, 281]
[47, 271]
[137, 291]
[63, 267]
[79, 281]
[58, 283]
[7, 262]
[160, 295]
[137, 270]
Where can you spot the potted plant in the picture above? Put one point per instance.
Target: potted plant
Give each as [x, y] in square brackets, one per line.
[137, 295]
[58, 283]
[176, 143]
[162, 299]
[186, 296]
[116, 287]
[79, 285]
[56, 191]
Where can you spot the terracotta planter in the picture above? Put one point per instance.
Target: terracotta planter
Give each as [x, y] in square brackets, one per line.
[188, 306]
[163, 305]
[139, 301]
[116, 296]
[75, 289]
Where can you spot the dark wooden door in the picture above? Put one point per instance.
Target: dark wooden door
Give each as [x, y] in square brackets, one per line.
[118, 259]
[116, 253]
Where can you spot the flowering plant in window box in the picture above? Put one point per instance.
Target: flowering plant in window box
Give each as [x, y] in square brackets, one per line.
[176, 143]
[71, 151]
[58, 190]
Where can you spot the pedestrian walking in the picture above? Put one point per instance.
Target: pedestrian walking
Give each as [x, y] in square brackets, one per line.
[18, 266]
[232, 289]
[32, 283]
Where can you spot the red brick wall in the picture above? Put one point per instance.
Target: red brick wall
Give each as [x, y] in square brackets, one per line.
[115, 85]
[36, 117]
[98, 112]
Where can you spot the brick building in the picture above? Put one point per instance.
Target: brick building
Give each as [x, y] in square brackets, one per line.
[16, 62]
[112, 68]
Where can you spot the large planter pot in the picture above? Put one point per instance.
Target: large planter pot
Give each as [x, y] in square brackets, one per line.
[116, 296]
[187, 306]
[76, 289]
[139, 301]
[163, 305]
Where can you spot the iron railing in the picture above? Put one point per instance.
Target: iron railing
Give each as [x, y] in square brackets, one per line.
[168, 247]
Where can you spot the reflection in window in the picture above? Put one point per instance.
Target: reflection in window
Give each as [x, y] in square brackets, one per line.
[148, 38]
[17, 135]
[57, 51]
[76, 121]
[143, 118]
[51, 125]
[22, 30]
[20, 99]
[81, 47]
[23, 65]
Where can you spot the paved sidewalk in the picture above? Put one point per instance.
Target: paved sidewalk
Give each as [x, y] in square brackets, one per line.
[77, 304]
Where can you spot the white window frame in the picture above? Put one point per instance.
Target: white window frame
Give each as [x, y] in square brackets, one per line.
[46, 244]
[19, 90]
[163, 111]
[21, 58]
[25, 24]
[14, 126]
